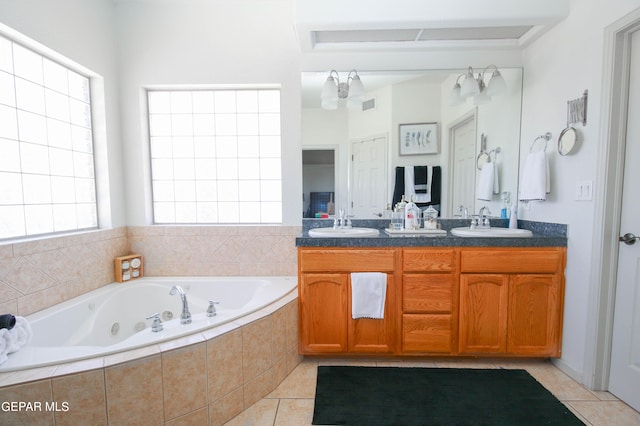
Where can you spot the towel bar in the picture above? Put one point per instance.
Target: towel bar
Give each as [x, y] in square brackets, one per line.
[546, 137]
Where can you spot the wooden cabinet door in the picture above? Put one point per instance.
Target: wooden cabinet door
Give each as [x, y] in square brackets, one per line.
[534, 318]
[323, 313]
[483, 313]
[368, 335]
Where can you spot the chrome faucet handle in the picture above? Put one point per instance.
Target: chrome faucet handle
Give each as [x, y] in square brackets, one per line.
[463, 212]
[211, 310]
[156, 326]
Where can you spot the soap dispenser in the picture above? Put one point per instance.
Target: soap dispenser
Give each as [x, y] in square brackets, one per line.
[513, 220]
[411, 215]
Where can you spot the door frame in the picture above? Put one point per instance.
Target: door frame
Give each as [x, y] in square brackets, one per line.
[472, 114]
[384, 135]
[602, 286]
[337, 193]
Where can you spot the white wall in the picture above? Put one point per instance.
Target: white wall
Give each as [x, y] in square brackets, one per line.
[82, 31]
[214, 42]
[558, 67]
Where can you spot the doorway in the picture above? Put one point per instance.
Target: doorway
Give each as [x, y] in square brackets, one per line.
[462, 163]
[369, 177]
[613, 353]
[318, 182]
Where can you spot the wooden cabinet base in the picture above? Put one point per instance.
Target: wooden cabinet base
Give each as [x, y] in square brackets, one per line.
[450, 301]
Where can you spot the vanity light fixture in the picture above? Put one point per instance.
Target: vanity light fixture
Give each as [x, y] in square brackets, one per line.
[352, 90]
[476, 87]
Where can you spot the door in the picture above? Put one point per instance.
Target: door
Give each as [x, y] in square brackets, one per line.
[323, 313]
[463, 165]
[624, 379]
[483, 313]
[534, 316]
[368, 335]
[369, 173]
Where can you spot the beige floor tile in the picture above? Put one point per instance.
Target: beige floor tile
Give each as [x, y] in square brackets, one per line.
[465, 363]
[301, 383]
[559, 384]
[292, 402]
[294, 412]
[406, 363]
[605, 396]
[606, 413]
[261, 413]
[350, 362]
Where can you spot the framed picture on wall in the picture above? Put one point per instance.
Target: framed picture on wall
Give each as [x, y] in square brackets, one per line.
[419, 138]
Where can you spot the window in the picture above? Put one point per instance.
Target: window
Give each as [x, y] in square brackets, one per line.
[215, 156]
[47, 181]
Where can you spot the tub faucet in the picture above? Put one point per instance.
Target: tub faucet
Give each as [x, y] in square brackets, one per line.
[185, 316]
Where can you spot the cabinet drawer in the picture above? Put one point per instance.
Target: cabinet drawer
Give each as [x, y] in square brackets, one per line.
[428, 260]
[423, 293]
[512, 260]
[336, 260]
[426, 333]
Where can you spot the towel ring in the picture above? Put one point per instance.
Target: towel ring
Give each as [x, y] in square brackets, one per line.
[546, 137]
[482, 159]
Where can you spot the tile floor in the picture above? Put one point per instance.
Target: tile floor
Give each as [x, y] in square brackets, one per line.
[292, 402]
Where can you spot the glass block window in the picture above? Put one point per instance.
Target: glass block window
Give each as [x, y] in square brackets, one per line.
[47, 181]
[215, 156]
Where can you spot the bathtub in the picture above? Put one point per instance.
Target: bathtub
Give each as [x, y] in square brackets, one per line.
[113, 318]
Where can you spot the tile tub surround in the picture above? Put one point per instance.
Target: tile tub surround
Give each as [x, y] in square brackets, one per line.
[216, 250]
[207, 378]
[544, 235]
[41, 273]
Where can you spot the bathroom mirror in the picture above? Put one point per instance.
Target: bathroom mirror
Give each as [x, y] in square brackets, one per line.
[567, 141]
[393, 98]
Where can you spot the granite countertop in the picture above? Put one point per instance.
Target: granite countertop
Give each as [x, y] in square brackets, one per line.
[544, 235]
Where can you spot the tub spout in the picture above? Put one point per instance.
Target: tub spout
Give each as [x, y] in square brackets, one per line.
[185, 316]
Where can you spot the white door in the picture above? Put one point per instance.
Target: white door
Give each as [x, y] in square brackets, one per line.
[624, 380]
[369, 173]
[463, 147]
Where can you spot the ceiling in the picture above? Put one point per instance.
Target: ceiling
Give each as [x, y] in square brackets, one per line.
[362, 25]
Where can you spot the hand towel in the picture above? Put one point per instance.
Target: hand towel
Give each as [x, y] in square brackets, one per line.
[420, 179]
[368, 294]
[14, 339]
[535, 183]
[486, 182]
[410, 185]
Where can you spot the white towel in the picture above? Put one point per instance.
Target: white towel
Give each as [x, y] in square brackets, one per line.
[488, 182]
[410, 185]
[535, 183]
[14, 339]
[368, 294]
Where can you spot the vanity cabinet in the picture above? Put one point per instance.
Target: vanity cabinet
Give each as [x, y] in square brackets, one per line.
[511, 301]
[454, 301]
[326, 324]
[429, 298]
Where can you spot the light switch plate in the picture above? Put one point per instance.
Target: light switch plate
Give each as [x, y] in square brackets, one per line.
[584, 190]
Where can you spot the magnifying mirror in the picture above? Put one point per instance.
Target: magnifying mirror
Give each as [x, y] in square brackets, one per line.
[567, 141]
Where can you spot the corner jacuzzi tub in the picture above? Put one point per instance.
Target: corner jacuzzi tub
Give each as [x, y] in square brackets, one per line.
[113, 318]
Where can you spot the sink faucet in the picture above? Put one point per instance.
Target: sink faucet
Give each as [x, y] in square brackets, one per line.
[185, 316]
[483, 220]
[342, 220]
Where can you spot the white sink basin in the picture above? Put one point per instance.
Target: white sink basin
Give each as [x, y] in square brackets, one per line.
[343, 232]
[491, 232]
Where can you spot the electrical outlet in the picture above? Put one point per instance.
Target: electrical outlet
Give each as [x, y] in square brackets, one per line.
[584, 190]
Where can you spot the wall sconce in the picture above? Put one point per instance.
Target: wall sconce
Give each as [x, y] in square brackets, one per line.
[475, 86]
[352, 90]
